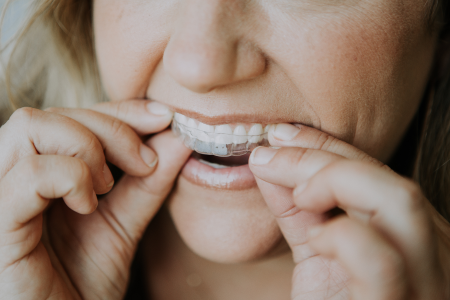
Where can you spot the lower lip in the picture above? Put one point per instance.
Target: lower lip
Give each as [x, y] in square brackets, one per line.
[232, 178]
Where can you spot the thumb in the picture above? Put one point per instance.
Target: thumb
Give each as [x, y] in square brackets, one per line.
[293, 222]
[135, 200]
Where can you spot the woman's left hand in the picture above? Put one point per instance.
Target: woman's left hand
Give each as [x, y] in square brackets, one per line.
[391, 244]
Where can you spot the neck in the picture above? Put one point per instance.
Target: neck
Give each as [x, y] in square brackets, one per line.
[173, 271]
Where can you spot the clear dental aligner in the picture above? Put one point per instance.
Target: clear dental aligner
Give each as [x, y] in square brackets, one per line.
[219, 140]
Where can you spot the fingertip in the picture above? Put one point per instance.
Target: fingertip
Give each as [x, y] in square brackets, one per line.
[83, 205]
[262, 155]
[94, 202]
[107, 175]
[108, 181]
[284, 132]
[170, 143]
[159, 110]
[300, 189]
[91, 205]
[170, 150]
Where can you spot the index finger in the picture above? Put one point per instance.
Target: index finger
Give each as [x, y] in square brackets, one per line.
[142, 115]
[288, 135]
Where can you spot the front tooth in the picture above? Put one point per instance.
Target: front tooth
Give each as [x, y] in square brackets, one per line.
[256, 129]
[239, 135]
[255, 133]
[224, 134]
[226, 129]
[266, 129]
[205, 127]
[180, 118]
[191, 123]
[191, 128]
[203, 130]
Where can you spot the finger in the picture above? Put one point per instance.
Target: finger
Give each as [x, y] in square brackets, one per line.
[360, 189]
[289, 166]
[31, 131]
[376, 269]
[392, 204]
[293, 222]
[134, 201]
[288, 135]
[122, 145]
[276, 187]
[371, 194]
[26, 190]
[144, 116]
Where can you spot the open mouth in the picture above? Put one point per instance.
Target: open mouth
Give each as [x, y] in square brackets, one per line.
[229, 173]
[218, 162]
[221, 152]
[220, 140]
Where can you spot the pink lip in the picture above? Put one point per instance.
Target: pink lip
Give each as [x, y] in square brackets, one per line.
[233, 178]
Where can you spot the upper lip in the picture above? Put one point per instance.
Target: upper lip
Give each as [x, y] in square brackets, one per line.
[231, 118]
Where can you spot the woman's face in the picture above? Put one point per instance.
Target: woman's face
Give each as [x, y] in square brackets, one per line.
[355, 69]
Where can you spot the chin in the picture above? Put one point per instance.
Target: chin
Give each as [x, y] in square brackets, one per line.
[224, 225]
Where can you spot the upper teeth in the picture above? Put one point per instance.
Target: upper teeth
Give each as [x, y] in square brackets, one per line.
[220, 140]
[238, 135]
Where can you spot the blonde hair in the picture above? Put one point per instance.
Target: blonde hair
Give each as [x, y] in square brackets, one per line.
[53, 64]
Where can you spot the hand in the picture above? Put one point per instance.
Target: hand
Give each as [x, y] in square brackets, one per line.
[59, 251]
[391, 244]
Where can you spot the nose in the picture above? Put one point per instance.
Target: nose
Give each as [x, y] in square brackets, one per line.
[208, 47]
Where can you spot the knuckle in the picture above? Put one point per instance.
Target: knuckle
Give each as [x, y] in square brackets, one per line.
[23, 115]
[90, 143]
[298, 156]
[54, 109]
[326, 142]
[122, 109]
[30, 167]
[118, 129]
[29, 171]
[80, 170]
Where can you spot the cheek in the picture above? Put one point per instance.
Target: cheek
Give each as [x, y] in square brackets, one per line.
[129, 40]
[223, 226]
[362, 75]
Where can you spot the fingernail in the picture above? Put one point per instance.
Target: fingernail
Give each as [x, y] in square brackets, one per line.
[285, 132]
[109, 179]
[148, 156]
[300, 188]
[158, 109]
[262, 155]
[315, 231]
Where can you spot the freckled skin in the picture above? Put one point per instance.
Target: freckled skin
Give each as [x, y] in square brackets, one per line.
[354, 69]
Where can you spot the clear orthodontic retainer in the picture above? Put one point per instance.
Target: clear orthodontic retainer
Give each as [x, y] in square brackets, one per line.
[218, 144]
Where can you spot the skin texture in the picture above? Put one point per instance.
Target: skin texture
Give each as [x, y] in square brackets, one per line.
[354, 69]
[351, 73]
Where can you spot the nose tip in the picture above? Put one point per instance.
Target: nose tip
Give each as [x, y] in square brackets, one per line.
[204, 62]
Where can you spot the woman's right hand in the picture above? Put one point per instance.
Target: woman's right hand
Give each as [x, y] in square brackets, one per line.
[74, 249]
